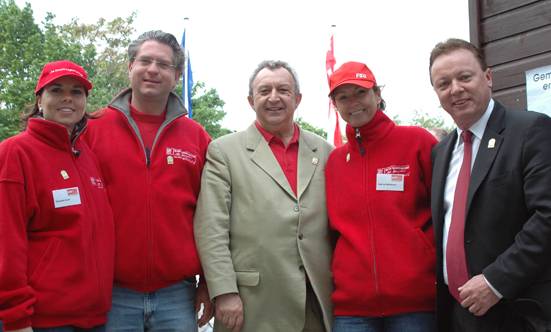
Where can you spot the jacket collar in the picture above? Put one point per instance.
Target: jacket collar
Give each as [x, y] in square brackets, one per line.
[263, 157]
[484, 160]
[55, 134]
[174, 109]
[175, 106]
[372, 132]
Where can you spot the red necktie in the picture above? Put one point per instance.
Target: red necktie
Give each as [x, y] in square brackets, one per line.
[456, 263]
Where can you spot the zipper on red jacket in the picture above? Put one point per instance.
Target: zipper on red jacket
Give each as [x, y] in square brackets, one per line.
[375, 271]
[359, 138]
[377, 293]
[73, 140]
[147, 156]
[95, 244]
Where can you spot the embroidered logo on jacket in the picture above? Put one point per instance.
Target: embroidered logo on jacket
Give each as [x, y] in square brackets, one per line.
[394, 169]
[96, 182]
[179, 154]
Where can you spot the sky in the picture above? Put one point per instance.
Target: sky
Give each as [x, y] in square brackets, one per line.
[227, 40]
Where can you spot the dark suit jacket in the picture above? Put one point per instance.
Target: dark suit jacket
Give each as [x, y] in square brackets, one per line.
[508, 214]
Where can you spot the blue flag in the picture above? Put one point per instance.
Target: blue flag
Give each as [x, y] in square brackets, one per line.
[188, 78]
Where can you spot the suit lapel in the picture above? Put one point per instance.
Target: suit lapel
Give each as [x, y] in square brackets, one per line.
[307, 162]
[264, 158]
[486, 152]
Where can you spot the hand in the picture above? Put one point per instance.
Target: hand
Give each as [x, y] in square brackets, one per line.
[202, 297]
[477, 296]
[229, 310]
[27, 329]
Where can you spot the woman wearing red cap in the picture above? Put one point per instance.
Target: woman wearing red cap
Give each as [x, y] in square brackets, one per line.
[378, 199]
[56, 229]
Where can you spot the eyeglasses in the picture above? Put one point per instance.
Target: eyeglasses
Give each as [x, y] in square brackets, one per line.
[146, 62]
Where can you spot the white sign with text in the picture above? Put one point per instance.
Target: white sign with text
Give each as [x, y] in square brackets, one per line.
[538, 90]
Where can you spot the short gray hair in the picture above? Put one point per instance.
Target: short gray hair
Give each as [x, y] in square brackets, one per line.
[274, 64]
[179, 57]
[438, 133]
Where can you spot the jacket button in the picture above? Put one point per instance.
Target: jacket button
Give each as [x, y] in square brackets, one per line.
[300, 236]
[295, 208]
[301, 267]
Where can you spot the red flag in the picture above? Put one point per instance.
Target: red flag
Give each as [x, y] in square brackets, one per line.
[330, 60]
[329, 66]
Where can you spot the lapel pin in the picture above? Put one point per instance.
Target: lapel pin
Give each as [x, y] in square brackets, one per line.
[315, 161]
[348, 157]
[65, 175]
[170, 160]
[491, 143]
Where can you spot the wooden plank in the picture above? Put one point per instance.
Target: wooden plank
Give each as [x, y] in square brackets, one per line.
[474, 23]
[513, 73]
[514, 98]
[514, 22]
[493, 7]
[518, 46]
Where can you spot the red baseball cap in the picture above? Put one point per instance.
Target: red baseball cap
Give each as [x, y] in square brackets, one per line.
[351, 73]
[54, 70]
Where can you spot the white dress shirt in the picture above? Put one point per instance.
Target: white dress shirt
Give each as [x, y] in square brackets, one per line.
[453, 172]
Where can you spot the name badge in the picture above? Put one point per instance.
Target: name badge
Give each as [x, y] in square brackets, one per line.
[390, 182]
[66, 197]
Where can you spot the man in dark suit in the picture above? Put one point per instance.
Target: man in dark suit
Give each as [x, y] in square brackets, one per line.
[492, 218]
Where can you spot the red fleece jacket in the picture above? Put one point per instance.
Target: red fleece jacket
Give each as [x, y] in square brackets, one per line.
[153, 192]
[56, 262]
[384, 261]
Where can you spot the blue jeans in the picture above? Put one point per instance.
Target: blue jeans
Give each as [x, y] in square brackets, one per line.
[69, 328]
[168, 309]
[421, 321]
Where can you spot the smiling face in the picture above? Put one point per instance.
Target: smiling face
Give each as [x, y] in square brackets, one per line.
[463, 88]
[274, 99]
[356, 105]
[63, 101]
[150, 83]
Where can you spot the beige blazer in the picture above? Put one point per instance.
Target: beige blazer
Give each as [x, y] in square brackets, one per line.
[255, 237]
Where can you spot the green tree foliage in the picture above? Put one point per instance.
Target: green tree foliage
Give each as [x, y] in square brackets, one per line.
[25, 49]
[104, 45]
[21, 43]
[207, 109]
[423, 120]
[306, 126]
[100, 48]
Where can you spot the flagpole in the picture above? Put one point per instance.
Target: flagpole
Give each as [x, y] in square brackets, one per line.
[184, 74]
[187, 74]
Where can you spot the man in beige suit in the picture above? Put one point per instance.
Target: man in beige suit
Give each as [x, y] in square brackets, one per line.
[261, 225]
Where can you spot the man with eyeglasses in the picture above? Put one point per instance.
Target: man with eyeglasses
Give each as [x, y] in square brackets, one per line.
[151, 156]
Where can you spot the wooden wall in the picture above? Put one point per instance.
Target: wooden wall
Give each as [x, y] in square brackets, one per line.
[515, 36]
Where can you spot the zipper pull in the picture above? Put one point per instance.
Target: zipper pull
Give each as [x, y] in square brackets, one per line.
[147, 156]
[359, 138]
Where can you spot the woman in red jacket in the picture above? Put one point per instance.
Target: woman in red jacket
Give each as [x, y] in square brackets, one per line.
[378, 199]
[56, 226]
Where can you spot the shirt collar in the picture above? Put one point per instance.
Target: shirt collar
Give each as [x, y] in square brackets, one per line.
[268, 137]
[478, 128]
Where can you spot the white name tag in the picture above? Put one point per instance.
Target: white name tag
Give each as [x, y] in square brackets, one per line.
[390, 182]
[66, 197]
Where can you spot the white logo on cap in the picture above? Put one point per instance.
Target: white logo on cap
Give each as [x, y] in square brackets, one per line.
[66, 69]
[360, 75]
